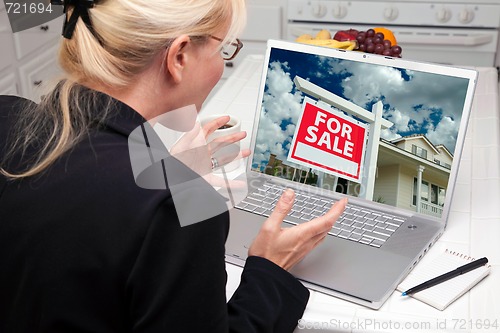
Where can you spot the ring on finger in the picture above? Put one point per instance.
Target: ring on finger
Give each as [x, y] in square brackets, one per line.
[215, 163]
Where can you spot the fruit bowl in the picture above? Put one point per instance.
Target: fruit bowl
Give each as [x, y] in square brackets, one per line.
[377, 40]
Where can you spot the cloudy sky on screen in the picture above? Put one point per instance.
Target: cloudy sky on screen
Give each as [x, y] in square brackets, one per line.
[416, 102]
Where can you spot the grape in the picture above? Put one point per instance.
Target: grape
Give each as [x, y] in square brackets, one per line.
[370, 41]
[396, 50]
[379, 48]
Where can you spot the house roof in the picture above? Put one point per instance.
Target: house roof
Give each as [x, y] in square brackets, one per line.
[445, 149]
[406, 154]
[421, 136]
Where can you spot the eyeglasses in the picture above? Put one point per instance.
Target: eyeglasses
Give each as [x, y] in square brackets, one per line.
[229, 50]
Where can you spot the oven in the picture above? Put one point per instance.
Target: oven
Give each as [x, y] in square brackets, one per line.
[452, 32]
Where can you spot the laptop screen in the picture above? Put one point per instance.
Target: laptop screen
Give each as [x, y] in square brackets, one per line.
[385, 130]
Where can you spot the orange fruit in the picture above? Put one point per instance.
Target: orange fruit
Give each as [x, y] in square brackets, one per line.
[388, 34]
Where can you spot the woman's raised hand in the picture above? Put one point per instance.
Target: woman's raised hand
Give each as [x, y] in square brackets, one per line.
[287, 246]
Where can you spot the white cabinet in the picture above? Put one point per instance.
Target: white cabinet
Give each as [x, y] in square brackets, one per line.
[38, 37]
[7, 54]
[264, 22]
[8, 85]
[39, 74]
[28, 59]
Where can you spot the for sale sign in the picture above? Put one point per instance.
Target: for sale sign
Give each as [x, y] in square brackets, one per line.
[329, 141]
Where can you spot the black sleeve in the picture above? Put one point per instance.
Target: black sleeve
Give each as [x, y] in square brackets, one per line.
[178, 284]
[268, 299]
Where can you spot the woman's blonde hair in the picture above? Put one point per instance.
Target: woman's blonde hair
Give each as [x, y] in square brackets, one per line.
[128, 34]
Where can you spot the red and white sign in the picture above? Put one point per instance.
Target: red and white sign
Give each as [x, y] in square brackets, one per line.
[329, 141]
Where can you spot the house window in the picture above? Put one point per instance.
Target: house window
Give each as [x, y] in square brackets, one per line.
[424, 194]
[342, 186]
[446, 165]
[430, 193]
[434, 194]
[441, 196]
[414, 201]
[419, 151]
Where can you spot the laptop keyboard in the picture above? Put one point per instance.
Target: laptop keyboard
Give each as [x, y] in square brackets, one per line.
[355, 224]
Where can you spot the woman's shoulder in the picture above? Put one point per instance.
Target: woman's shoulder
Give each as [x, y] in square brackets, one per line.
[10, 103]
[10, 108]
[6, 98]
[11, 100]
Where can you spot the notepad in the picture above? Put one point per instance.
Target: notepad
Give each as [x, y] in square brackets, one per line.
[443, 294]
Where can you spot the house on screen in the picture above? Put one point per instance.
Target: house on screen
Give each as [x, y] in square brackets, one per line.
[412, 173]
[405, 167]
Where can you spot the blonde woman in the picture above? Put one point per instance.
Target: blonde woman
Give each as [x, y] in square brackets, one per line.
[82, 247]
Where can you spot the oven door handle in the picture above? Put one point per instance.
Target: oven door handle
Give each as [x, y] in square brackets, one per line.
[444, 39]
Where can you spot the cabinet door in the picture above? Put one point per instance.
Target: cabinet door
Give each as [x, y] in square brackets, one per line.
[39, 75]
[256, 34]
[7, 54]
[8, 85]
[29, 40]
[264, 22]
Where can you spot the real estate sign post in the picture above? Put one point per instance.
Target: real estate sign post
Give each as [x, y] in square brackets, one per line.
[332, 133]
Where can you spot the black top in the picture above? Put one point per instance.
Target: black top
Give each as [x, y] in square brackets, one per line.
[84, 249]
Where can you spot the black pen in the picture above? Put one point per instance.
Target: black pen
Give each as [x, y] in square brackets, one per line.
[446, 276]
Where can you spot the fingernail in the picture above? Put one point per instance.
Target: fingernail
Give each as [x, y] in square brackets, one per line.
[287, 195]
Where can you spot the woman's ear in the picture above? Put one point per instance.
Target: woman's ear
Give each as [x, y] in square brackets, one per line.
[177, 57]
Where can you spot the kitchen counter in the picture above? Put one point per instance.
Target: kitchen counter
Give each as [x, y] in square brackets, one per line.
[473, 228]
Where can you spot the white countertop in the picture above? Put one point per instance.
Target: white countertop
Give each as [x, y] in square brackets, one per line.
[473, 228]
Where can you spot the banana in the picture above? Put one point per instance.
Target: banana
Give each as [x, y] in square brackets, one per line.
[346, 45]
[352, 46]
[304, 37]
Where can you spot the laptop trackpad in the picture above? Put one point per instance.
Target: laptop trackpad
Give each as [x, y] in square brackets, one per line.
[352, 268]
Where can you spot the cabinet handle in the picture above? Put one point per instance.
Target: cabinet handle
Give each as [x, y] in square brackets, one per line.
[44, 27]
[37, 82]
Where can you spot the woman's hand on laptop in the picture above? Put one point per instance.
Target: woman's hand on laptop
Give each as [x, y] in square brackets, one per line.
[288, 246]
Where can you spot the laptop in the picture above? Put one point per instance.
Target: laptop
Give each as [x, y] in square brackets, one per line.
[385, 132]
